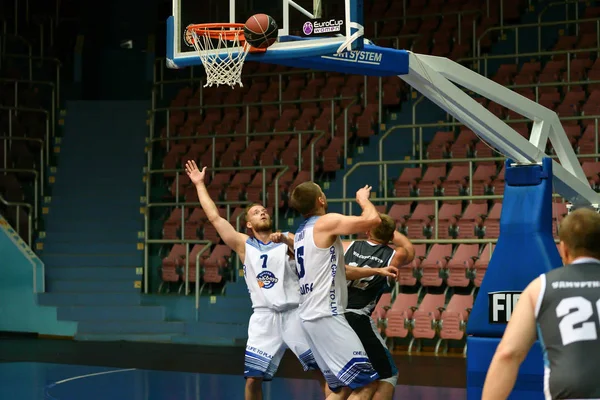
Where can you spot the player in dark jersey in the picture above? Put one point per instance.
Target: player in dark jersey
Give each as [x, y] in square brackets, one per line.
[563, 306]
[371, 269]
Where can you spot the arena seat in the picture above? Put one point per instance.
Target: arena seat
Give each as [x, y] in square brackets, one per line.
[420, 220]
[398, 318]
[429, 184]
[481, 264]
[470, 222]
[426, 316]
[407, 182]
[454, 318]
[381, 309]
[456, 183]
[491, 225]
[461, 264]
[408, 273]
[448, 214]
[434, 263]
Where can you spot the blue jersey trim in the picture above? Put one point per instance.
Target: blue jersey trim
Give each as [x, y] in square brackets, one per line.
[262, 247]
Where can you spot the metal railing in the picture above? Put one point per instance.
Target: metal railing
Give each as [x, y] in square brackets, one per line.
[435, 221]
[564, 3]
[53, 60]
[534, 25]
[246, 107]
[282, 168]
[46, 140]
[4, 38]
[206, 243]
[470, 161]
[20, 205]
[36, 179]
[420, 128]
[318, 136]
[485, 58]
[18, 82]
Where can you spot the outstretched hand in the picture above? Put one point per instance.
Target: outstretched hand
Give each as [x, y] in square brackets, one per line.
[196, 176]
[363, 194]
[389, 271]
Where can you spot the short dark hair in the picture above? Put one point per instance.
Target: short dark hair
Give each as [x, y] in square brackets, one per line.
[248, 208]
[580, 232]
[385, 230]
[304, 197]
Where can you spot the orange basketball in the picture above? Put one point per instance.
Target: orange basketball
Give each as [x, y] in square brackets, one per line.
[260, 31]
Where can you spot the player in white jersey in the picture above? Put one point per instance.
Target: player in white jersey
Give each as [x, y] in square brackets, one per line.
[337, 349]
[273, 285]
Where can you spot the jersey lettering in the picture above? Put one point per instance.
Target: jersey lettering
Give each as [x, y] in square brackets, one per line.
[575, 325]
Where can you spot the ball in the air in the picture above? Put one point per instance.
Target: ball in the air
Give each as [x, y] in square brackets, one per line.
[260, 31]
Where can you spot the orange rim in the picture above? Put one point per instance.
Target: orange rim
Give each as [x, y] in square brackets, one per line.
[227, 31]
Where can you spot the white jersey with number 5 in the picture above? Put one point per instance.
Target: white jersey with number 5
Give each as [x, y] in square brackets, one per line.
[323, 290]
[270, 275]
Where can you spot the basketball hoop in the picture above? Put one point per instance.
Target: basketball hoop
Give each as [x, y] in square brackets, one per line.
[222, 50]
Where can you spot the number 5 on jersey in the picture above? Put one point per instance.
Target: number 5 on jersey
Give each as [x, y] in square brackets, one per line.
[300, 262]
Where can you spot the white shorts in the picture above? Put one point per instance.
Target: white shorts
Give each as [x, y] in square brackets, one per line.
[339, 353]
[269, 334]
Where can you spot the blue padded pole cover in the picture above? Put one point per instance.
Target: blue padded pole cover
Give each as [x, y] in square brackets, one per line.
[525, 249]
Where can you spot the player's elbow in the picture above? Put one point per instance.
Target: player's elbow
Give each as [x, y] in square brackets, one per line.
[510, 354]
[372, 221]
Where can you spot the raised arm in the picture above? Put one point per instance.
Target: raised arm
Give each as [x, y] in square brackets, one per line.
[405, 251]
[331, 225]
[354, 272]
[232, 238]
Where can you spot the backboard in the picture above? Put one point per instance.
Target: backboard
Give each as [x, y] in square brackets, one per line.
[306, 27]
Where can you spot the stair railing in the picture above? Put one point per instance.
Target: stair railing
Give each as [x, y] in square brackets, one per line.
[20, 205]
[15, 110]
[197, 286]
[18, 82]
[53, 60]
[42, 159]
[36, 191]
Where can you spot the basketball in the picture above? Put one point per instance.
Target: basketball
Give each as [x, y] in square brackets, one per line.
[260, 31]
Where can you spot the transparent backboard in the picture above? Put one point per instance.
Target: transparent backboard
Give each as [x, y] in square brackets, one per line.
[306, 27]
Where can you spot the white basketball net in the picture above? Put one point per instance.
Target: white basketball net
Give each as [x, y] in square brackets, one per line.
[222, 58]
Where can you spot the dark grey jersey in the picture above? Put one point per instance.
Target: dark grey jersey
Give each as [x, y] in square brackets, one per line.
[567, 314]
[363, 294]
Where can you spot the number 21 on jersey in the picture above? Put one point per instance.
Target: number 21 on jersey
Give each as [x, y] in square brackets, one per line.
[575, 313]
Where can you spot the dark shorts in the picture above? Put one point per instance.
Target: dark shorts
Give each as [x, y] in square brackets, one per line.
[377, 351]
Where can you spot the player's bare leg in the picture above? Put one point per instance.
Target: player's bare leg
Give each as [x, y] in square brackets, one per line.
[342, 394]
[385, 391]
[322, 383]
[365, 392]
[253, 389]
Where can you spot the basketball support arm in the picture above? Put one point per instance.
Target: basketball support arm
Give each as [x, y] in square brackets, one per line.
[434, 76]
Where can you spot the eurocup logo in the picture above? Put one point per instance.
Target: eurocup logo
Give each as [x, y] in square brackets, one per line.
[307, 28]
[266, 279]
